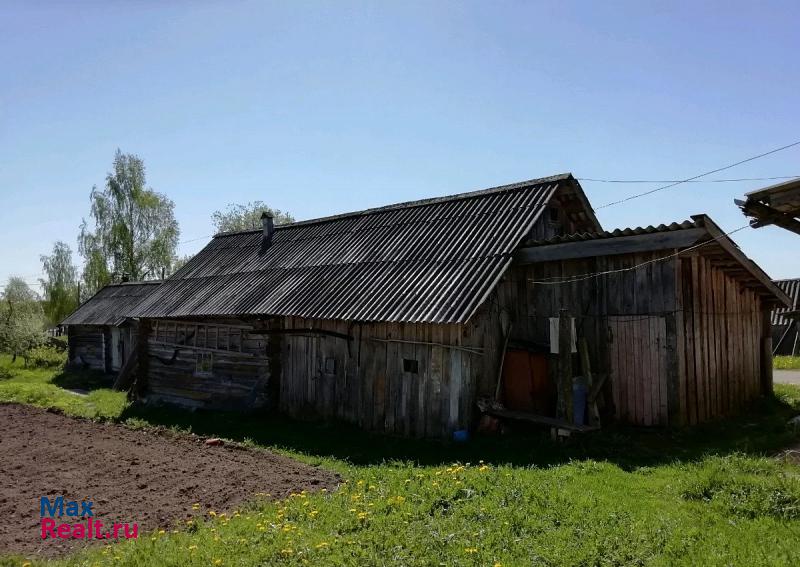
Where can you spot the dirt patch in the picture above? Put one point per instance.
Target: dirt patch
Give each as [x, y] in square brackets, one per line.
[148, 477]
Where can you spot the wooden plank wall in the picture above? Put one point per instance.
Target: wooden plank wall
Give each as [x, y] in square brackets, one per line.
[362, 380]
[238, 380]
[528, 298]
[87, 346]
[637, 369]
[721, 344]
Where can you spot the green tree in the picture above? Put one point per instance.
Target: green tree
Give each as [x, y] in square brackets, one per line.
[135, 233]
[22, 321]
[246, 217]
[60, 289]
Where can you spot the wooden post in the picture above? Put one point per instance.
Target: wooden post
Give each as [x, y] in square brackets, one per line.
[766, 353]
[586, 369]
[565, 365]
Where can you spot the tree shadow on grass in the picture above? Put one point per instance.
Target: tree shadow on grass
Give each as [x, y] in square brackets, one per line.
[762, 430]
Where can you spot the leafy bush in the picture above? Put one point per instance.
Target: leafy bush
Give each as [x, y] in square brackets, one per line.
[45, 357]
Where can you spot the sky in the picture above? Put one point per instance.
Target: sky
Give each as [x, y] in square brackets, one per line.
[320, 108]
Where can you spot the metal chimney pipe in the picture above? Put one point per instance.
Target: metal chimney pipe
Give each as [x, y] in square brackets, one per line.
[268, 224]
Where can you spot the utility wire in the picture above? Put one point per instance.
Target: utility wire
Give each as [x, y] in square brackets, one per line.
[597, 180]
[556, 280]
[687, 180]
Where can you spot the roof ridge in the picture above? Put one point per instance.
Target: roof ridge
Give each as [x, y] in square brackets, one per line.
[415, 203]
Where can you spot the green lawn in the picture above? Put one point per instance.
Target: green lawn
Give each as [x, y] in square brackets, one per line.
[786, 362]
[622, 497]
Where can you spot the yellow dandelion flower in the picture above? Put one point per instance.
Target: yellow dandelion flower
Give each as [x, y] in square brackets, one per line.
[218, 562]
[196, 506]
[287, 551]
[192, 547]
[471, 550]
[321, 544]
[212, 513]
[161, 532]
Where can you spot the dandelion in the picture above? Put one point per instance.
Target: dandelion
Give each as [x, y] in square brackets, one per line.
[26, 564]
[212, 513]
[471, 550]
[498, 564]
[287, 551]
[161, 532]
[192, 547]
[218, 562]
[483, 468]
[362, 516]
[321, 545]
[196, 506]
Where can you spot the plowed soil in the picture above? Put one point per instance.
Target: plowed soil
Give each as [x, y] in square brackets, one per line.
[149, 477]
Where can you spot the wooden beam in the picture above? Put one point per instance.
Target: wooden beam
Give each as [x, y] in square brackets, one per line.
[765, 215]
[747, 264]
[610, 246]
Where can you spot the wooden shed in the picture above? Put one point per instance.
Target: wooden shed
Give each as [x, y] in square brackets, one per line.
[676, 316]
[401, 318]
[100, 335]
[786, 320]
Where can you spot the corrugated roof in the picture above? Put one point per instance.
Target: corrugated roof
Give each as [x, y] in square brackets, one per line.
[426, 261]
[110, 305]
[792, 289]
[583, 236]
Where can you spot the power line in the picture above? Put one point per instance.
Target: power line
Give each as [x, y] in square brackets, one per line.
[687, 180]
[583, 277]
[597, 180]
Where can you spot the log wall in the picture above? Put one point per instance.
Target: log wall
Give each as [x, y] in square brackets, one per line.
[364, 380]
[87, 346]
[237, 379]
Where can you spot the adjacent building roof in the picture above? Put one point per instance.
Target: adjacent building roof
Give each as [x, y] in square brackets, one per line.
[778, 204]
[432, 261]
[792, 289]
[700, 232]
[110, 305]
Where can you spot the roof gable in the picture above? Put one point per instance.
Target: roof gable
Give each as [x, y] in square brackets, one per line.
[426, 261]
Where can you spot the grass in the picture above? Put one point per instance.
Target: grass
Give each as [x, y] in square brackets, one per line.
[621, 497]
[786, 362]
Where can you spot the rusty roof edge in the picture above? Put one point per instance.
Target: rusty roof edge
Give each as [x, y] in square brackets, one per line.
[423, 202]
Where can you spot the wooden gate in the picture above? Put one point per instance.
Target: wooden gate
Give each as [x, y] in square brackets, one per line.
[638, 368]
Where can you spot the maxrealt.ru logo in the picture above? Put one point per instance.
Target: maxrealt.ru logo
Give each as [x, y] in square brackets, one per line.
[88, 528]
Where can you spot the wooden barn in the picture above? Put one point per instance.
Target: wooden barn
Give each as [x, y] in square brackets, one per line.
[402, 318]
[100, 336]
[676, 317]
[786, 321]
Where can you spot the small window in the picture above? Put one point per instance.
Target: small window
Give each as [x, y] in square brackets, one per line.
[411, 365]
[553, 212]
[204, 364]
[330, 365]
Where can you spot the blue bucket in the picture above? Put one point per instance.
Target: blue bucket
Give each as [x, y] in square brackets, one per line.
[461, 436]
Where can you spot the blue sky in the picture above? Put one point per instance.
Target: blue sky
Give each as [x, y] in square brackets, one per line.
[319, 108]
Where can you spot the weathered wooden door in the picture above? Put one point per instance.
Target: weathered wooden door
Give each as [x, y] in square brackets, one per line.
[638, 368]
[117, 347]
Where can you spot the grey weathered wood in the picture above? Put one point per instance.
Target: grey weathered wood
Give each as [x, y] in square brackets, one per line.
[608, 246]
